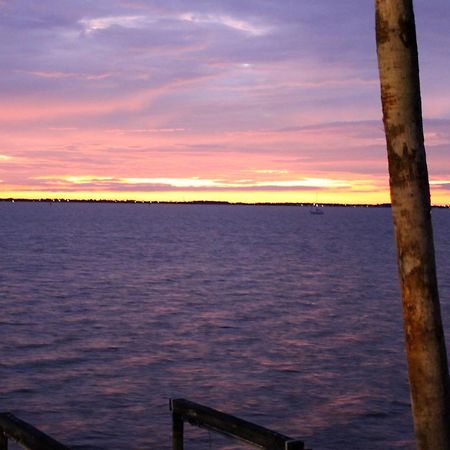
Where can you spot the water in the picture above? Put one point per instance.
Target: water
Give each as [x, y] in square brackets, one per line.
[286, 319]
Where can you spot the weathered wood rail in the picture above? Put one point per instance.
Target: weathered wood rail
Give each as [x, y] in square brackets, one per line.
[25, 435]
[29, 437]
[226, 424]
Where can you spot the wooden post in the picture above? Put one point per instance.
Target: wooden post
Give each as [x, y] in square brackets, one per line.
[177, 432]
[411, 209]
[3, 441]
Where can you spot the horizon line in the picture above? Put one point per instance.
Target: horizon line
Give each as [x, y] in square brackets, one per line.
[200, 202]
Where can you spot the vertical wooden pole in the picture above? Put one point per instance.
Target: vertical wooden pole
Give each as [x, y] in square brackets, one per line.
[177, 432]
[3, 441]
[411, 209]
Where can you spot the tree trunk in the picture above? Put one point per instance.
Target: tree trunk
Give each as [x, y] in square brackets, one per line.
[411, 208]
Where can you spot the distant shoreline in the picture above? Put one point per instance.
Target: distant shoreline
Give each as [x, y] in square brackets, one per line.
[205, 202]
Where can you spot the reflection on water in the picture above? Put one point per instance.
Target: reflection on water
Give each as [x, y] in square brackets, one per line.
[289, 320]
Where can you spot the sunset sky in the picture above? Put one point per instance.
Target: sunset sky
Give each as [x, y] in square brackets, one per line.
[236, 100]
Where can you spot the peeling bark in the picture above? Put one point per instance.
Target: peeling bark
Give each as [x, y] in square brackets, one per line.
[410, 197]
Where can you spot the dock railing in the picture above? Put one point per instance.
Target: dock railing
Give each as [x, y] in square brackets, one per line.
[226, 424]
[29, 437]
[25, 435]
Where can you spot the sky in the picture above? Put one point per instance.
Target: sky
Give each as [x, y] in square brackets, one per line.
[226, 100]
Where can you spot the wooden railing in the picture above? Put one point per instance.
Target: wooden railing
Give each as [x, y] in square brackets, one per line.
[202, 416]
[25, 435]
[31, 438]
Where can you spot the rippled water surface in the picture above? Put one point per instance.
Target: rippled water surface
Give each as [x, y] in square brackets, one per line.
[283, 318]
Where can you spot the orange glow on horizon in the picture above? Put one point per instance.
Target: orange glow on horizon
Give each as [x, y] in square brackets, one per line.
[188, 118]
[358, 194]
[228, 196]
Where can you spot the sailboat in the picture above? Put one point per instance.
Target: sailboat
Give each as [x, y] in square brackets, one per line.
[316, 209]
